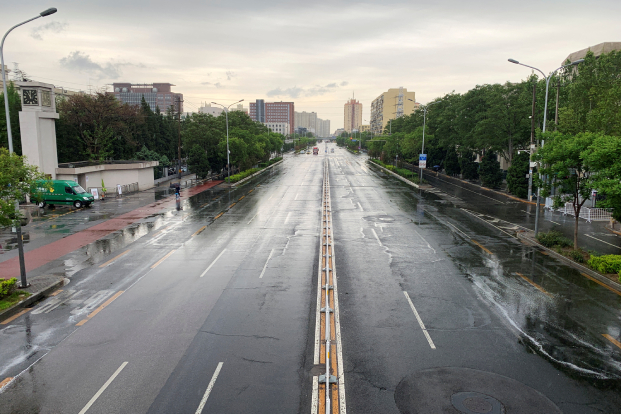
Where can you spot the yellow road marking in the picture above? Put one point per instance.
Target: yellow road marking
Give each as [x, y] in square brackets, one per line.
[231, 206]
[56, 293]
[5, 381]
[250, 191]
[481, 246]
[159, 262]
[199, 231]
[12, 318]
[158, 232]
[610, 338]
[600, 283]
[203, 205]
[240, 199]
[114, 258]
[534, 284]
[99, 309]
[218, 216]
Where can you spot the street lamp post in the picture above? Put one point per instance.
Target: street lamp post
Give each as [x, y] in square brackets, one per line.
[545, 117]
[424, 125]
[226, 115]
[18, 227]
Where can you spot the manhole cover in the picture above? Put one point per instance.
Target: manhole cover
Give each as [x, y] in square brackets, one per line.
[476, 403]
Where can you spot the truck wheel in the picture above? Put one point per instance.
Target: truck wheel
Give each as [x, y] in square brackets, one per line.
[77, 204]
[41, 204]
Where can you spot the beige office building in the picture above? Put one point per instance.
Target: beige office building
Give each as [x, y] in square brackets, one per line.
[306, 120]
[392, 104]
[353, 115]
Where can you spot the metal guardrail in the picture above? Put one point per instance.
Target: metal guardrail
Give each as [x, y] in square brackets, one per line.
[587, 213]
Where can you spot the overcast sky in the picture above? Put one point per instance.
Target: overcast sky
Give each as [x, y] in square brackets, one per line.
[315, 53]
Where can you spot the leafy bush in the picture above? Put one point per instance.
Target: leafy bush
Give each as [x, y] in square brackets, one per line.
[240, 176]
[7, 287]
[517, 183]
[576, 256]
[553, 238]
[610, 263]
[489, 171]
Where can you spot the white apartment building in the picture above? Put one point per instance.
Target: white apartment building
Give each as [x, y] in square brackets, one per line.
[278, 127]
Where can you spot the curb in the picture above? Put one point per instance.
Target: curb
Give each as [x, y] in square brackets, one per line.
[405, 180]
[603, 279]
[255, 174]
[35, 297]
[618, 233]
[493, 191]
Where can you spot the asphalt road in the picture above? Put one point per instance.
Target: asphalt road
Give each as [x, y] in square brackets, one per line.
[214, 310]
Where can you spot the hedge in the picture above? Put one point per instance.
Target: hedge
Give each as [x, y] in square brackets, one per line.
[240, 176]
[7, 287]
[610, 263]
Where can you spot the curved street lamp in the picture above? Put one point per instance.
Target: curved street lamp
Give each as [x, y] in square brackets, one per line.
[226, 114]
[545, 116]
[18, 228]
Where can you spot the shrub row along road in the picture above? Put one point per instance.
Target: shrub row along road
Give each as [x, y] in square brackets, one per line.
[440, 310]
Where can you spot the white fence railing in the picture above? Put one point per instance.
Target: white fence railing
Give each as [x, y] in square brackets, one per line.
[587, 213]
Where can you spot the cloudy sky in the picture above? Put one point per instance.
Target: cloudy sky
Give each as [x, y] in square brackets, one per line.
[315, 53]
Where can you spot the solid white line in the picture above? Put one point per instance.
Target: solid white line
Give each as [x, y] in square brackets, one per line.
[554, 222]
[103, 388]
[287, 219]
[296, 196]
[378, 240]
[266, 262]
[213, 263]
[253, 218]
[315, 396]
[603, 241]
[420, 321]
[360, 206]
[199, 410]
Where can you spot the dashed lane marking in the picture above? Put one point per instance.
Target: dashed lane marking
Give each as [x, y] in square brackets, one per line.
[600, 283]
[253, 218]
[56, 292]
[199, 231]
[420, 321]
[103, 388]
[231, 206]
[610, 338]
[377, 238]
[212, 263]
[100, 308]
[610, 244]
[199, 410]
[218, 216]
[481, 246]
[534, 284]
[5, 381]
[241, 198]
[159, 262]
[266, 262]
[114, 258]
[12, 318]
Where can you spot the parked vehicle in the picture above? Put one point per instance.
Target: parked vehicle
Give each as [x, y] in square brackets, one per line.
[62, 192]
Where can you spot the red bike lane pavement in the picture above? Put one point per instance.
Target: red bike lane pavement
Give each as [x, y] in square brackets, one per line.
[52, 251]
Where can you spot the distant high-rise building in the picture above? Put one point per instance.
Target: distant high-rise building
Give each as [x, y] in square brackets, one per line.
[391, 105]
[157, 95]
[353, 115]
[323, 128]
[306, 120]
[273, 112]
[211, 110]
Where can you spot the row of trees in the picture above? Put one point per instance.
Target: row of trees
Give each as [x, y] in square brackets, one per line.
[99, 127]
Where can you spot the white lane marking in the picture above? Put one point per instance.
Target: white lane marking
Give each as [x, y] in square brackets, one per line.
[266, 262]
[603, 241]
[378, 240]
[288, 216]
[420, 321]
[315, 398]
[253, 218]
[296, 196]
[486, 221]
[554, 222]
[103, 388]
[360, 206]
[464, 188]
[199, 410]
[213, 263]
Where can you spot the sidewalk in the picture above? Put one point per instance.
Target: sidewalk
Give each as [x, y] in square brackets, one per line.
[108, 220]
[592, 236]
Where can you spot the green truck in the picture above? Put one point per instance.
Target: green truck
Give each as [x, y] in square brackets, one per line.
[62, 192]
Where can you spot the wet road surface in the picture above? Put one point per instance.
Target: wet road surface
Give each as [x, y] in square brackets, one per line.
[215, 310]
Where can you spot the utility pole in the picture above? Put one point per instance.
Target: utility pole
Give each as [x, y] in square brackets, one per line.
[532, 145]
[179, 129]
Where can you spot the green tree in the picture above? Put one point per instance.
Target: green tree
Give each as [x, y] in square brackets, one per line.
[15, 105]
[517, 183]
[17, 180]
[469, 168]
[489, 170]
[451, 162]
[603, 158]
[562, 160]
[198, 161]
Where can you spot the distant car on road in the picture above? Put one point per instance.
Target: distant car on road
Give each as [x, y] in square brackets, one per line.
[332, 150]
[316, 151]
